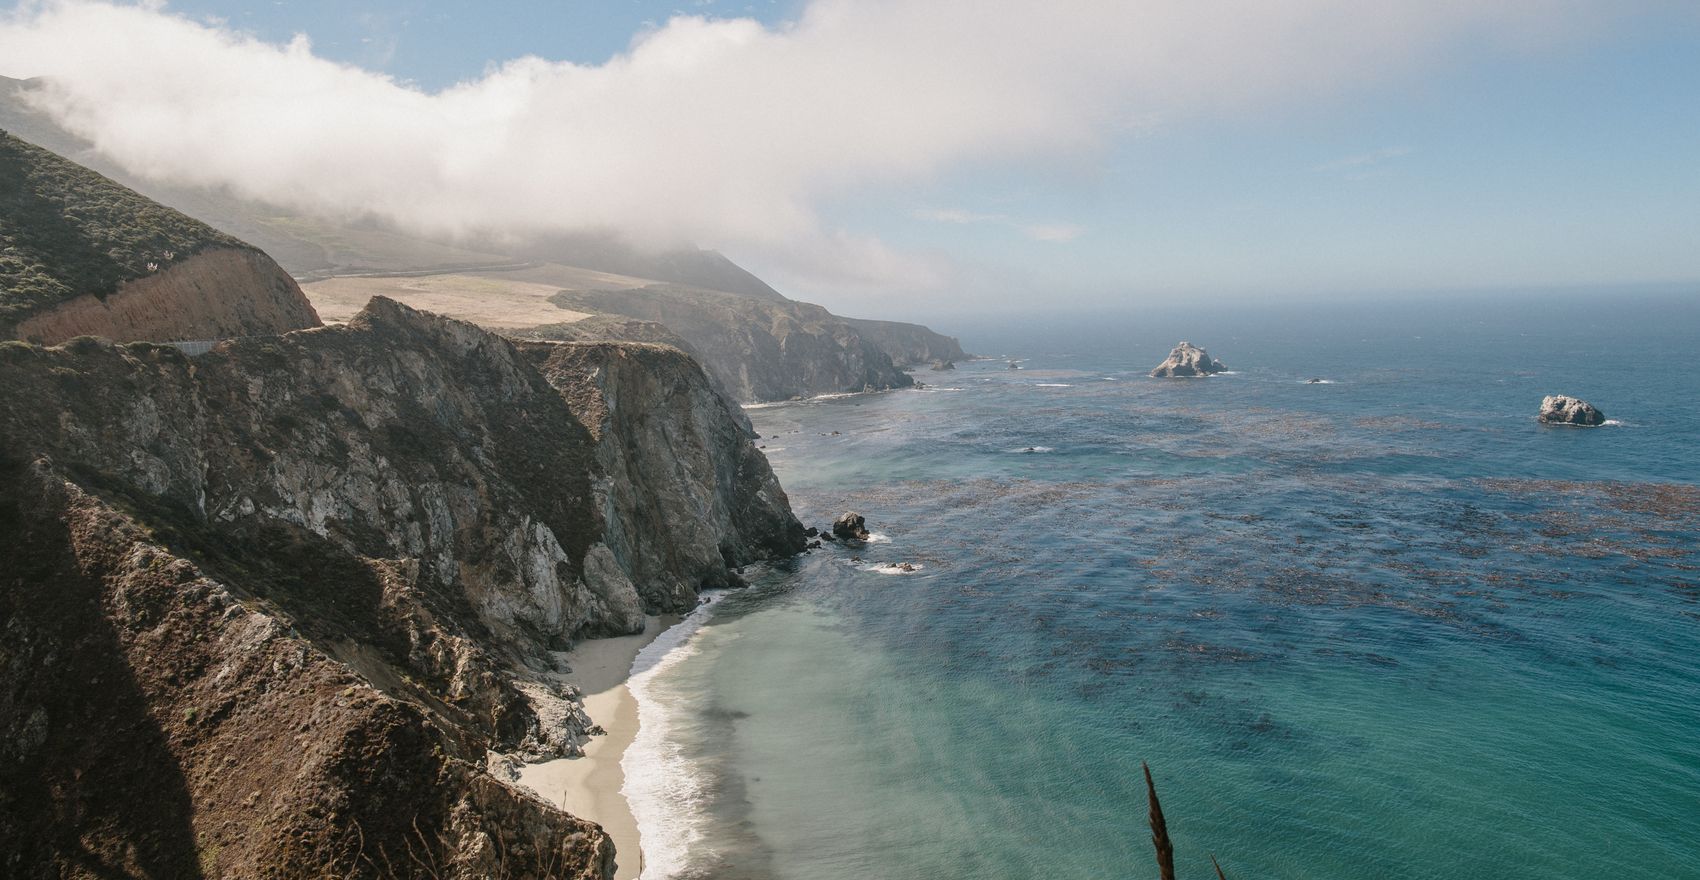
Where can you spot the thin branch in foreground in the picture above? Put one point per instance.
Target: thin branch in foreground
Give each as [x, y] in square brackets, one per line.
[1159, 830]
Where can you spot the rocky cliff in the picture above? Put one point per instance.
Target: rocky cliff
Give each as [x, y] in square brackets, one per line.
[337, 563]
[758, 349]
[910, 345]
[157, 721]
[82, 255]
[672, 463]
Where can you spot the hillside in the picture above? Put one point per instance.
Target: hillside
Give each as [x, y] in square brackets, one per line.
[306, 247]
[758, 344]
[311, 247]
[81, 254]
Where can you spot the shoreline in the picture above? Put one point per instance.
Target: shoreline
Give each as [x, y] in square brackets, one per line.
[589, 787]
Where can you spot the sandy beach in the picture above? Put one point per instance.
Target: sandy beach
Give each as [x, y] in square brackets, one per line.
[589, 787]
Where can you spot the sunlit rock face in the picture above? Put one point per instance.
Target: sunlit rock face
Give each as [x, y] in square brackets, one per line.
[1559, 409]
[1188, 360]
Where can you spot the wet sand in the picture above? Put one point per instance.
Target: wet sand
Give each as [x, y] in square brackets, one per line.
[589, 787]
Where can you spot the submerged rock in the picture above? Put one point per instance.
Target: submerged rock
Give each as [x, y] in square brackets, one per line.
[1188, 360]
[850, 527]
[1560, 409]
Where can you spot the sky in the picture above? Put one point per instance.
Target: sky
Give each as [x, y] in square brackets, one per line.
[923, 156]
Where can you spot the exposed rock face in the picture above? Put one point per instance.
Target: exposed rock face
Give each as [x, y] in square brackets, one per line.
[616, 328]
[850, 527]
[1187, 360]
[1558, 409]
[674, 464]
[910, 345]
[215, 294]
[408, 507]
[758, 349]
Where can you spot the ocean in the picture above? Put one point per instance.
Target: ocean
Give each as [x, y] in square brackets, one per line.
[1379, 626]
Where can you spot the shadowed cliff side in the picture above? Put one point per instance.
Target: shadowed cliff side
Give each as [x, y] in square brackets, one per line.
[158, 725]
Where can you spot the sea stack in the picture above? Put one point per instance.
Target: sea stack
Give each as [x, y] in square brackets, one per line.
[1188, 360]
[1559, 409]
[850, 527]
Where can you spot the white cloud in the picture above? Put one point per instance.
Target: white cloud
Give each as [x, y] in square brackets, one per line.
[955, 215]
[722, 132]
[1364, 160]
[1054, 232]
[1057, 232]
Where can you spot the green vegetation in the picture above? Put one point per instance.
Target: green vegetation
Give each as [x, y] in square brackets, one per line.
[66, 231]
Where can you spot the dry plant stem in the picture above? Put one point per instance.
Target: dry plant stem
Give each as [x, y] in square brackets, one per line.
[1159, 830]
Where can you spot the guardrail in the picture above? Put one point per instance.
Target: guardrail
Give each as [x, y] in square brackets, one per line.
[194, 347]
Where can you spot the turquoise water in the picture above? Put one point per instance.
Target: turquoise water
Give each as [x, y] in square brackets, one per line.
[1383, 627]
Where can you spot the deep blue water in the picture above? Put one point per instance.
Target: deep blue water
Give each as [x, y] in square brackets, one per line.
[1387, 626]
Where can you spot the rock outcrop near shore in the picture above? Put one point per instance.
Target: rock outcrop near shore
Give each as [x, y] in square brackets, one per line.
[85, 256]
[315, 577]
[1188, 360]
[1559, 409]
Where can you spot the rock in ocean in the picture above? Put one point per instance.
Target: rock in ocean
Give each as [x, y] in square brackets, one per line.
[1188, 360]
[1560, 409]
[850, 527]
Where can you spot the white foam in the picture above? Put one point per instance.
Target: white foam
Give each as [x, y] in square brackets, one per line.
[1052, 385]
[894, 568]
[819, 398]
[1612, 422]
[877, 538]
[1320, 382]
[931, 389]
[663, 787]
[1029, 450]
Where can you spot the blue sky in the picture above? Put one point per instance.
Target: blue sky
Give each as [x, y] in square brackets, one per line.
[1517, 150]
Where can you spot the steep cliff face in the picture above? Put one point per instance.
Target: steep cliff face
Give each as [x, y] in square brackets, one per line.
[80, 254]
[910, 345]
[410, 500]
[673, 463]
[617, 328]
[758, 349]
